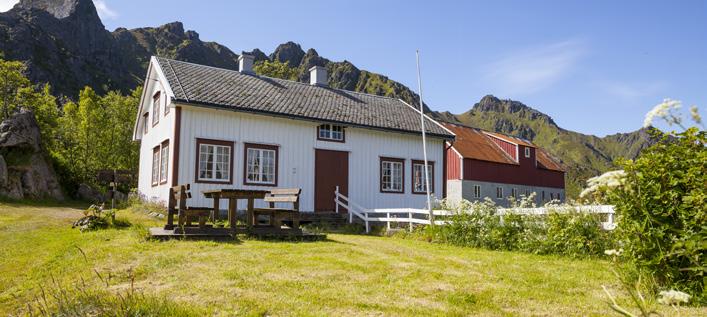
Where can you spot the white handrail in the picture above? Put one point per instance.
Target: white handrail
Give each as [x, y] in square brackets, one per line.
[406, 215]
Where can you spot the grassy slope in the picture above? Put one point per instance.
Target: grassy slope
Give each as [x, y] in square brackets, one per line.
[348, 274]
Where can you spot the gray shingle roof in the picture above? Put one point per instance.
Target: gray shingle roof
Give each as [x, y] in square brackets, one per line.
[217, 87]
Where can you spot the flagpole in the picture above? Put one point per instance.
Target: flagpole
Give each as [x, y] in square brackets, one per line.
[424, 140]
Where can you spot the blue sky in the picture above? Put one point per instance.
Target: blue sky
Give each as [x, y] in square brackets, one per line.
[595, 66]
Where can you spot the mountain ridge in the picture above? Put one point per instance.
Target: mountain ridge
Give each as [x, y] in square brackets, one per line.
[64, 43]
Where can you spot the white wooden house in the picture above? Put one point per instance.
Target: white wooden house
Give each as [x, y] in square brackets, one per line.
[219, 128]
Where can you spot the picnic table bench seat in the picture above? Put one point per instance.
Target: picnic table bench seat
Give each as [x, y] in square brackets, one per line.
[278, 215]
[177, 205]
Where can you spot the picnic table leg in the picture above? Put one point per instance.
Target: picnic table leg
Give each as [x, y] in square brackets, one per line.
[251, 218]
[217, 199]
[232, 207]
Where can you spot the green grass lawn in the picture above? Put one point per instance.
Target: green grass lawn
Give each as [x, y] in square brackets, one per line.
[344, 275]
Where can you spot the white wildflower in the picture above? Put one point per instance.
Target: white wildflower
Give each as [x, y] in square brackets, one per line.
[695, 113]
[663, 110]
[611, 179]
[613, 252]
[673, 297]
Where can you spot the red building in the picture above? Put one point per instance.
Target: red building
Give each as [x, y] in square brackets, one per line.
[483, 164]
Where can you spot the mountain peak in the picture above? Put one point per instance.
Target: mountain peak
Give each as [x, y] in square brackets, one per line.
[288, 52]
[60, 9]
[490, 103]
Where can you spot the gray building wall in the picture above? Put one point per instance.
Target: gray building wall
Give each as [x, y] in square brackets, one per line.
[464, 189]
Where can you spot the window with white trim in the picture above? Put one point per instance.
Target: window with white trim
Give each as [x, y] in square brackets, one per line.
[155, 165]
[514, 192]
[419, 185]
[214, 160]
[145, 122]
[156, 108]
[392, 171]
[330, 132]
[261, 165]
[527, 151]
[499, 192]
[477, 191]
[164, 162]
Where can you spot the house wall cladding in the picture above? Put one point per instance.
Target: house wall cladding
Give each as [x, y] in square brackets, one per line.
[297, 142]
[526, 173]
[464, 189]
[155, 136]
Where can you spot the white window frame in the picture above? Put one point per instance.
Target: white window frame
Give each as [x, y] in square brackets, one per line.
[477, 191]
[396, 175]
[331, 132]
[155, 166]
[164, 162]
[145, 122]
[421, 177]
[156, 108]
[257, 165]
[527, 152]
[514, 192]
[499, 192]
[221, 153]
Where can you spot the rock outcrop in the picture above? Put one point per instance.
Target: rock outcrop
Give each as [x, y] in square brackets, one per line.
[25, 171]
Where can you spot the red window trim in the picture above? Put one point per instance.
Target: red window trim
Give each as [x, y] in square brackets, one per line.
[412, 176]
[155, 150]
[380, 175]
[164, 143]
[343, 133]
[156, 111]
[247, 146]
[229, 144]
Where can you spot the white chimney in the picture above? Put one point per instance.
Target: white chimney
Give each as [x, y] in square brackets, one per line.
[318, 76]
[245, 63]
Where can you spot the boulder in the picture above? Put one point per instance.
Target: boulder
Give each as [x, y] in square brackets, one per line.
[25, 171]
[88, 193]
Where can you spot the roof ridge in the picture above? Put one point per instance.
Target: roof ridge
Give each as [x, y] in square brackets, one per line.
[169, 60]
[489, 131]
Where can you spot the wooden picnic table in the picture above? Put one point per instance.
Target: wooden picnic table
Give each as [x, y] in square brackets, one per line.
[233, 195]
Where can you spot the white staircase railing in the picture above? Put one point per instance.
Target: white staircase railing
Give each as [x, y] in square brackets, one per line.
[411, 216]
[388, 215]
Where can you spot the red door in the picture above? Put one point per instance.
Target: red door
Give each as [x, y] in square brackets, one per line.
[331, 169]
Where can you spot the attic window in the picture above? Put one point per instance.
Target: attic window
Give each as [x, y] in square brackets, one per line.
[330, 132]
[527, 152]
[156, 108]
[145, 122]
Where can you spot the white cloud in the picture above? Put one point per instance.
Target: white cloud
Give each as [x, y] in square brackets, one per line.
[6, 5]
[104, 11]
[534, 69]
[632, 91]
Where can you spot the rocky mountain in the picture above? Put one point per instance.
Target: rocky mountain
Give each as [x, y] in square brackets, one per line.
[64, 43]
[584, 155]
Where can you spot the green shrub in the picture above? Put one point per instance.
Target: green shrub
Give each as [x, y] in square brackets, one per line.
[478, 225]
[662, 211]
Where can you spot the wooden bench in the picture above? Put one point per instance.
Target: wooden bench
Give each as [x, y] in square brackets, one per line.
[278, 215]
[177, 205]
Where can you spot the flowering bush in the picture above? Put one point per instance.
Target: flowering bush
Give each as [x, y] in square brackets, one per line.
[661, 205]
[478, 225]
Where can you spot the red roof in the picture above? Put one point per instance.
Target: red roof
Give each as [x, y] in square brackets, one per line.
[473, 143]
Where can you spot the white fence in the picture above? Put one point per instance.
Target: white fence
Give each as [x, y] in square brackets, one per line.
[412, 216]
